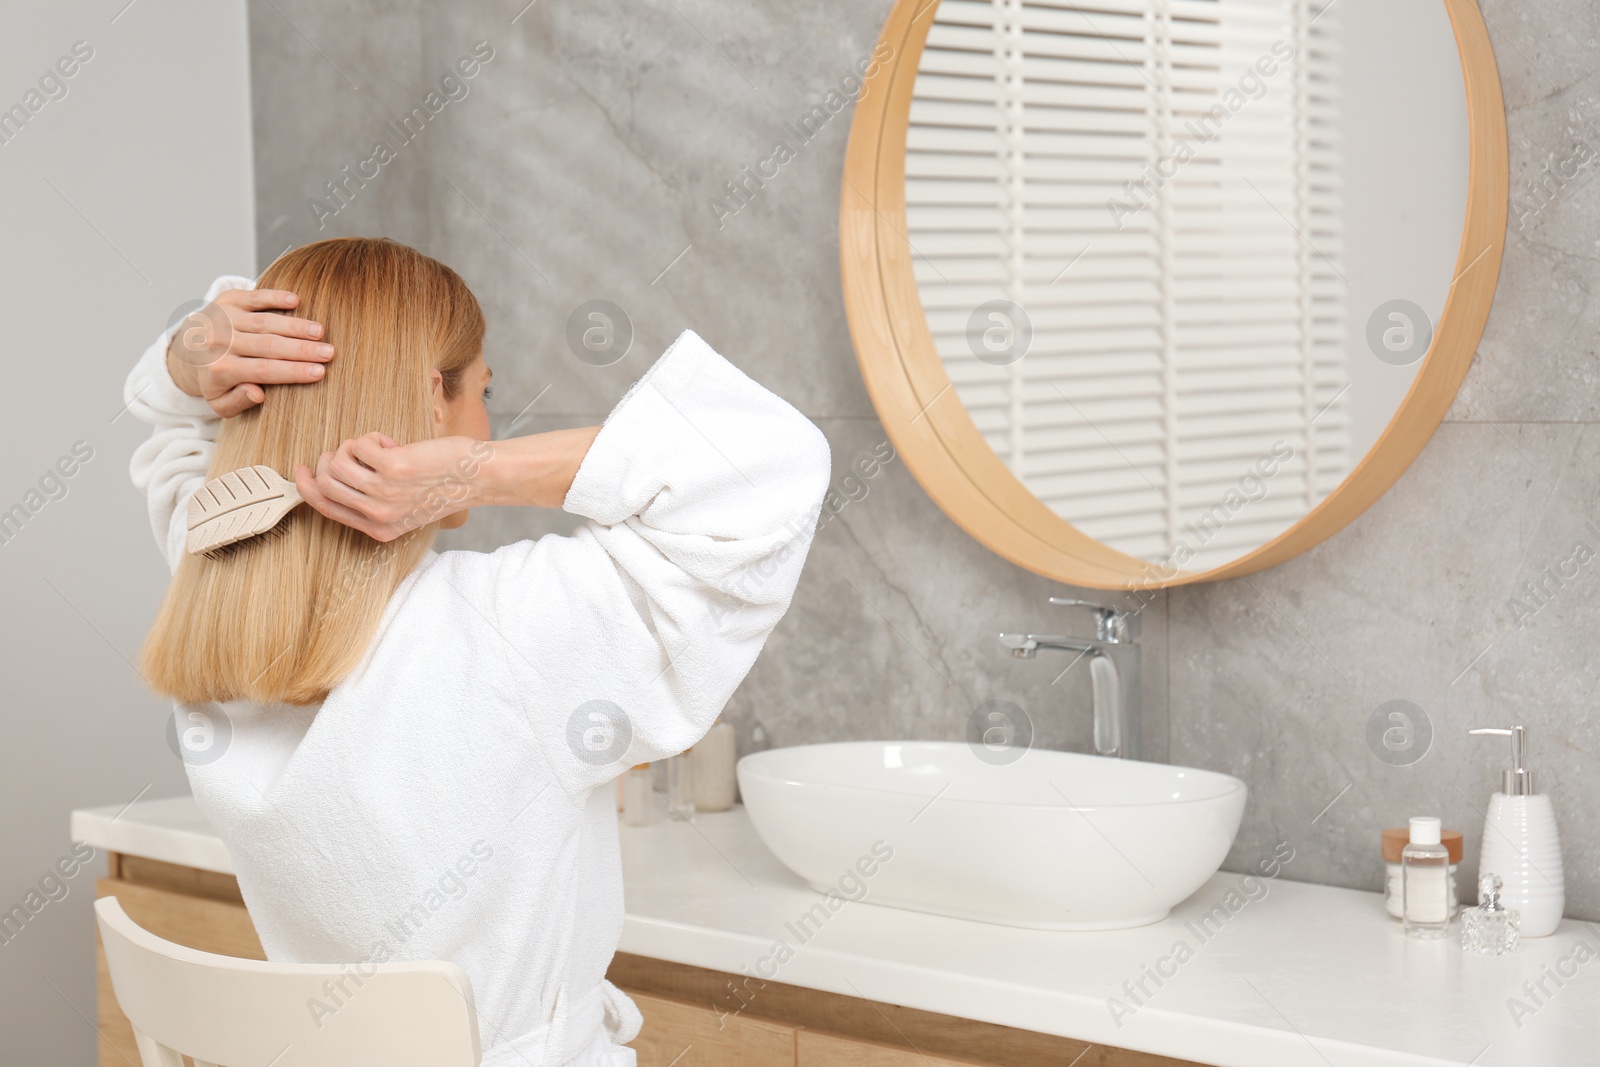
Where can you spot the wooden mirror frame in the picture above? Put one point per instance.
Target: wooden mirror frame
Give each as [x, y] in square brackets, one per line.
[942, 446]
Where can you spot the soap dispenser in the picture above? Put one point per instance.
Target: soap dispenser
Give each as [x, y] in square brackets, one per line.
[1522, 846]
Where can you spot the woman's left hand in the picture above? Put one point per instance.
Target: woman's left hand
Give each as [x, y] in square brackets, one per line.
[385, 489]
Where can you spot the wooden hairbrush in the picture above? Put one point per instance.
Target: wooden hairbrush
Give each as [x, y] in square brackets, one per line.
[237, 506]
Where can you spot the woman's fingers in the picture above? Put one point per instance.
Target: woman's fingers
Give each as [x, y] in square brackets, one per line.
[341, 492]
[311, 491]
[377, 486]
[239, 399]
[345, 466]
[278, 346]
[237, 344]
[286, 325]
[258, 299]
[353, 501]
[370, 449]
[267, 372]
[255, 347]
[251, 311]
[230, 381]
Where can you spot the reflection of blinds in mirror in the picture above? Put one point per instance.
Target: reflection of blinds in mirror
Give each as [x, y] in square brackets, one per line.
[1167, 214]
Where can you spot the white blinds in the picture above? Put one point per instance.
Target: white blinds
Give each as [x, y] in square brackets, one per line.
[1167, 214]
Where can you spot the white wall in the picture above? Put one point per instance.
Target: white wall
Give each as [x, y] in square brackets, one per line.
[122, 198]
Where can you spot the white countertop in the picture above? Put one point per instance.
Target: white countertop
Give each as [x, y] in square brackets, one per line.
[1301, 975]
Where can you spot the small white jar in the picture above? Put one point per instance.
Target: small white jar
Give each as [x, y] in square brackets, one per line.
[1394, 842]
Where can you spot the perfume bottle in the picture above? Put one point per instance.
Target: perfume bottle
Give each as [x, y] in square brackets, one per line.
[1425, 878]
[1491, 927]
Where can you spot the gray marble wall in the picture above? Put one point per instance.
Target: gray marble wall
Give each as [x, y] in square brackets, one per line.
[583, 163]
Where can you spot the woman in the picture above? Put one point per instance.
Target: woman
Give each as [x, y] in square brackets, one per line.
[405, 751]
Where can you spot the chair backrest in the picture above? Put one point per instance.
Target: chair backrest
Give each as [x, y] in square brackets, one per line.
[220, 1010]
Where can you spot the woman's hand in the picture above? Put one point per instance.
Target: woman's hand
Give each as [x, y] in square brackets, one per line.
[386, 489]
[229, 349]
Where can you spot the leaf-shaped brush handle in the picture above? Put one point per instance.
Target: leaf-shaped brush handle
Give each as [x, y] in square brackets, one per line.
[239, 505]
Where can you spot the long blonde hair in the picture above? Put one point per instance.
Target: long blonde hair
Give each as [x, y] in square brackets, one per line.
[284, 618]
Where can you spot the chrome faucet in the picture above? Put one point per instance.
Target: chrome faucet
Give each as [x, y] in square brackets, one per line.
[1113, 658]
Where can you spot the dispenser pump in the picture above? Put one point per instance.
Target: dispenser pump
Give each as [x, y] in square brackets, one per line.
[1518, 781]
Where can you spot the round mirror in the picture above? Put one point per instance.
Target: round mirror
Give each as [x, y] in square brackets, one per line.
[1156, 291]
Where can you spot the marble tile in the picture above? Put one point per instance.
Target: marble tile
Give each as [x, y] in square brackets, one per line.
[587, 167]
[1538, 360]
[1541, 48]
[325, 82]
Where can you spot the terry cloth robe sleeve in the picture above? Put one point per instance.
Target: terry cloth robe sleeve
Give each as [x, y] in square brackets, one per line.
[172, 463]
[629, 637]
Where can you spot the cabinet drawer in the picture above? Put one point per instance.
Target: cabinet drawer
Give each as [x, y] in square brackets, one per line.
[209, 925]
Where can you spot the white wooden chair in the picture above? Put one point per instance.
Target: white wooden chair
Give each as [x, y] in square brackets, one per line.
[249, 1013]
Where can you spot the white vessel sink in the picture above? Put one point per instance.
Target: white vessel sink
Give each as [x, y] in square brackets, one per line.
[1052, 841]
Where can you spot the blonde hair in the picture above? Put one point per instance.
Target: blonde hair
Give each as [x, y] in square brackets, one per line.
[284, 618]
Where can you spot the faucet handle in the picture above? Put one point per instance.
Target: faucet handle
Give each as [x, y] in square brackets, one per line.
[1111, 624]
[1075, 603]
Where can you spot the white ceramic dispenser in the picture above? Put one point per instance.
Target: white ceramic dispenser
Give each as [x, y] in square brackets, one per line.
[1522, 846]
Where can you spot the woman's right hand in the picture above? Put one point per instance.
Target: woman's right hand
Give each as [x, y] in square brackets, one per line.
[385, 489]
[229, 349]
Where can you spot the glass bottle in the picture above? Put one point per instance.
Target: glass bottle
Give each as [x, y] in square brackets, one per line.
[636, 791]
[680, 785]
[1425, 877]
[1491, 927]
[1394, 842]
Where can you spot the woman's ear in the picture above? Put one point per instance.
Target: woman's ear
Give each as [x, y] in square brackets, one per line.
[436, 397]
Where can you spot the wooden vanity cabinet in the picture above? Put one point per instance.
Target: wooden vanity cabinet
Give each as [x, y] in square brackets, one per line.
[692, 1018]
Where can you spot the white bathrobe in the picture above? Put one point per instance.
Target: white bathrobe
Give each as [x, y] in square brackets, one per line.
[449, 799]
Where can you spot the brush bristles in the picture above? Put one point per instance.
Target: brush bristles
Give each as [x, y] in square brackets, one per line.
[235, 548]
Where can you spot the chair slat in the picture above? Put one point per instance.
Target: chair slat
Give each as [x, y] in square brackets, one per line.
[154, 1054]
[223, 1010]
